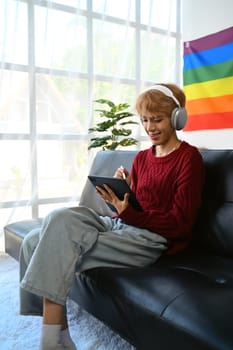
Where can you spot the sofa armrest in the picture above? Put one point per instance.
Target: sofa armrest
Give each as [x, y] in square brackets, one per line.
[15, 233]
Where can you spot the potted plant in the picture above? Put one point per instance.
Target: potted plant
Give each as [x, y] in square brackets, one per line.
[112, 128]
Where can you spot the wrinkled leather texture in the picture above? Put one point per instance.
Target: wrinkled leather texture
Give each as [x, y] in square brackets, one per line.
[183, 302]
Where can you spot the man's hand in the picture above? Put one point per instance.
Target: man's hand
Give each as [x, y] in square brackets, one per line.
[109, 197]
[123, 173]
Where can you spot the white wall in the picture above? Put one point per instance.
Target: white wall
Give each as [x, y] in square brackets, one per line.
[200, 18]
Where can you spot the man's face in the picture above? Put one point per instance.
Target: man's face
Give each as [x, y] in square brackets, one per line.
[158, 127]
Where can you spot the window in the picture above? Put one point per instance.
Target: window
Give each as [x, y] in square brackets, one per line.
[56, 58]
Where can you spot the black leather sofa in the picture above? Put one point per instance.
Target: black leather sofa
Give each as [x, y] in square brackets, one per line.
[183, 302]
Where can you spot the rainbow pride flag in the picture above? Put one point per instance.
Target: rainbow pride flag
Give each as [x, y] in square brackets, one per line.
[208, 81]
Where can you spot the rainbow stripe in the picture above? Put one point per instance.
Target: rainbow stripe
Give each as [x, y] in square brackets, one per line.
[208, 81]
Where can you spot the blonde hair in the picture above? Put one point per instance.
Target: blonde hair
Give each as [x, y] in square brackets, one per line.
[154, 101]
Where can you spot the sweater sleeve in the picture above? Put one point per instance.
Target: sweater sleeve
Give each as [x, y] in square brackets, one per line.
[175, 223]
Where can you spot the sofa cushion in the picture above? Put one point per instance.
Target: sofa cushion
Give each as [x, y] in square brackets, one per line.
[179, 300]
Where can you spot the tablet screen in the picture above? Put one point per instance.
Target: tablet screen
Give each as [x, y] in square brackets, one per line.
[119, 186]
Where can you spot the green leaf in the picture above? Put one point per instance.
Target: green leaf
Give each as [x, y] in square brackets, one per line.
[125, 114]
[121, 132]
[104, 113]
[128, 122]
[100, 127]
[108, 102]
[99, 142]
[122, 106]
[128, 142]
[102, 139]
[112, 146]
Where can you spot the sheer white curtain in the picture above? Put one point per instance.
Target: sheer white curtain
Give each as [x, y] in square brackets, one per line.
[56, 58]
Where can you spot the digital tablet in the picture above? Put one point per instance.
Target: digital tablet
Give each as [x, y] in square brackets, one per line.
[119, 186]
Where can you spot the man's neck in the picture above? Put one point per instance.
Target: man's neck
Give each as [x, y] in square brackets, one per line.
[164, 150]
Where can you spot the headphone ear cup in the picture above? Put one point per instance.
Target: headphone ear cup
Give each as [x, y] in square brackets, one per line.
[179, 118]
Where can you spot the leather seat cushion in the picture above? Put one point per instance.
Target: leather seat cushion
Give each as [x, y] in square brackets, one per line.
[191, 298]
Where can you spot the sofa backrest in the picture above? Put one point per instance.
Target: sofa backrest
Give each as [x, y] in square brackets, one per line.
[105, 164]
[214, 226]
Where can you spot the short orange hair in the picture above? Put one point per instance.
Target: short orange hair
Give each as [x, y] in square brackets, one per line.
[155, 101]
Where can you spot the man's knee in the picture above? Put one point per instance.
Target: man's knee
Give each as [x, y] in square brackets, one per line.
[56, 217]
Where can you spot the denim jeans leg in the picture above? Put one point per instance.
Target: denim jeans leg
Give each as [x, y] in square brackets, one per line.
[65, 236]
[30, 304]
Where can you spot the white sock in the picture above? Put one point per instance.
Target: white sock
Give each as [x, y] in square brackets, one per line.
[66, 339]
[50, 336]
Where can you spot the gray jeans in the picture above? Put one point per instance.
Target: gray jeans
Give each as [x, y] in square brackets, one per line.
[74, 240]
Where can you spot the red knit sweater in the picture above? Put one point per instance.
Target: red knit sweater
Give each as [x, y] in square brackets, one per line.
[169, 190]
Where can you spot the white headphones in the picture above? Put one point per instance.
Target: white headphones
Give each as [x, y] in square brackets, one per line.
[179, 114]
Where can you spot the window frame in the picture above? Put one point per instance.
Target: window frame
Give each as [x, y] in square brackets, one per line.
[33, 137]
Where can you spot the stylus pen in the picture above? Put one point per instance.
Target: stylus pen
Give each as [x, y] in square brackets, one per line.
[123, 174]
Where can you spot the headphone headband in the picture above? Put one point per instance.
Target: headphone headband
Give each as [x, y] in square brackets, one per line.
[166, 91]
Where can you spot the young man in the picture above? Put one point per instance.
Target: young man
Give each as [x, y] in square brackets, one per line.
[167, 179]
